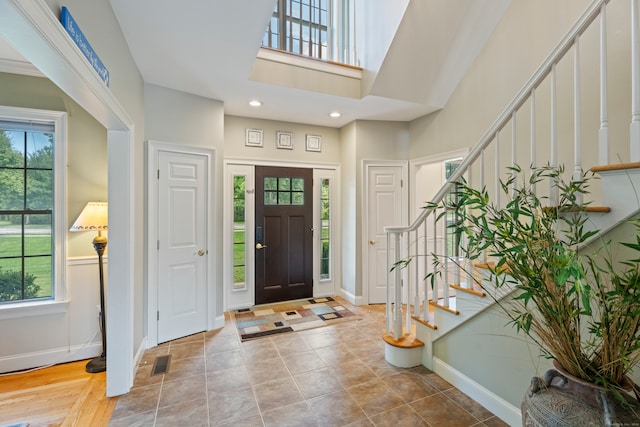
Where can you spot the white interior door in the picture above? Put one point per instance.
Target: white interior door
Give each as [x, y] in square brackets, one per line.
[386, 206]
[182, 244]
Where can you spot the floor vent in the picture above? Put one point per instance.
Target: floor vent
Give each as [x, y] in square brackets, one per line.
[161, 365]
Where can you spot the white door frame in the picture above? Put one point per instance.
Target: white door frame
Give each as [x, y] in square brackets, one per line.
[333, 173]
[416, 164]
[364, 244]
[35, 32]
[154, 147]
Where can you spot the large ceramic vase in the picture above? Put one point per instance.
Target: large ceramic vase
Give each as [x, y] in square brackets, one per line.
[561, 400]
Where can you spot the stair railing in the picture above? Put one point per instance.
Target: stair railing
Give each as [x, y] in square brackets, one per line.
[404, 242]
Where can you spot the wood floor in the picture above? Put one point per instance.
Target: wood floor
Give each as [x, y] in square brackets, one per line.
[62, 395]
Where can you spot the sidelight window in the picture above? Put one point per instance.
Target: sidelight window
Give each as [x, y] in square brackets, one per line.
[325, 230]
[239, 232]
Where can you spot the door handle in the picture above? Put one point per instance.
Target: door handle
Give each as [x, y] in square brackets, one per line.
[260, 246]
[201, 252]
[372, 242]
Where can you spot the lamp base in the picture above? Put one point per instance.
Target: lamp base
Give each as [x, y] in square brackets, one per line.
[98, 364]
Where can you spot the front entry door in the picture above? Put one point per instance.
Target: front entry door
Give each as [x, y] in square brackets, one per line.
[182, 244]
[283, 234]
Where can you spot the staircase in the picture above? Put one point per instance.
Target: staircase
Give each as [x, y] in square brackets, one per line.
[454, 327]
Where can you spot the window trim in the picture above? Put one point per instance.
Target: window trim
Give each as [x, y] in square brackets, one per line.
[58, 302]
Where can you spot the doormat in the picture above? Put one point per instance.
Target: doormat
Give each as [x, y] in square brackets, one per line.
[266, 320]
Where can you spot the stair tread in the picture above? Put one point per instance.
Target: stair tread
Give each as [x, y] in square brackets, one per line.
[588, 208]
[471, 291]
[615, 167]
[451, 308]
[406, 341]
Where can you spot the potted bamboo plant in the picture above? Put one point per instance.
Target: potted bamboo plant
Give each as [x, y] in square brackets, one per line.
[581, 307]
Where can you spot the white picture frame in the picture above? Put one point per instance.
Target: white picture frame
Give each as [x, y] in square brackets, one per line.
[284, 140]
[253, 138]
[314, 143]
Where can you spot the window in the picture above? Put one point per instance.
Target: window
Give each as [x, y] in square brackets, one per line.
[283, 191]
[325, 230]
[239, 232]
[299, 26]
[31, 208]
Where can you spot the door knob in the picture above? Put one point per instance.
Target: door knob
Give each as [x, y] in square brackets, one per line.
[260, 246]
[372, 242]
[201, 252]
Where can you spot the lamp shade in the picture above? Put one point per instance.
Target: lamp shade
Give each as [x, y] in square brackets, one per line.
[92, 218]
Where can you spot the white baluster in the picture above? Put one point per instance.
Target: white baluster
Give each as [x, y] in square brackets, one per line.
[407, 283]
[634, 149]
[553, 162]
[388, 313]
[436, 281]
[577, 123]
[415, 287]
[533, 134]
[514, 146]
[425, 269]
[397, 308]
[603, 140]
[497, 170]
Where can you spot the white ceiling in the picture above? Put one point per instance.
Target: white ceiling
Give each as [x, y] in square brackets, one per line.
[208, 48]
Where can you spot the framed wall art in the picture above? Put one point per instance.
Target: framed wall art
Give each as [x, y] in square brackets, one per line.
[314, 143]
[253, 138]
[284, 140]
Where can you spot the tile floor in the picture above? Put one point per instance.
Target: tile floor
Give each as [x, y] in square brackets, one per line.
[331, 376]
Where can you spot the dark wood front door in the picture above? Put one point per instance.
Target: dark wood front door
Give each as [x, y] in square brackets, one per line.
[284, 235]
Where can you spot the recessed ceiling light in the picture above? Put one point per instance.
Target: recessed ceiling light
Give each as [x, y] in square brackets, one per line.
[255, 103]
[334, 114]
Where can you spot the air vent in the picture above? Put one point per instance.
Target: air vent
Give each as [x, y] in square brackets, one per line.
[161, 365]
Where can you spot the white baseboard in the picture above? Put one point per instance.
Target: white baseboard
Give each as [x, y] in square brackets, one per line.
[491, 401]
[355, 300]
[51, 357]
[139, 353]
[219, 322]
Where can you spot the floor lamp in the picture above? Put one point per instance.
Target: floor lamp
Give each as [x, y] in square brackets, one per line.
[94, 218]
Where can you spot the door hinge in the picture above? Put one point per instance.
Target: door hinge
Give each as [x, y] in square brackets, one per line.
[158, 315]
[401, 183]
[158, 174]
[158, 245]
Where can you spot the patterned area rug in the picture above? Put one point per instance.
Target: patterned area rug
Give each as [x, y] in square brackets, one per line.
[291, 316]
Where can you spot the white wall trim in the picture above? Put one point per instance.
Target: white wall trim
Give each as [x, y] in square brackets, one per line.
[50, 357]
[33, 309]
[153, 148]
[309, 63]
[19, 67]
[283, 163]
[335, 202]
[219, 322]
[491, 401]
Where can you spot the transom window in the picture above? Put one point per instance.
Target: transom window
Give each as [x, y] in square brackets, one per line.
[283, 191]
[26, 210]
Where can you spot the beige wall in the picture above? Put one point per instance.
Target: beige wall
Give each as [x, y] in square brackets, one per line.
[234, 141]
[180, 118]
